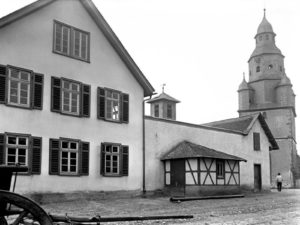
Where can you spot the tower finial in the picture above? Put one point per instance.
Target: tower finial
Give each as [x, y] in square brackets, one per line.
[264, 12]
[244, 75]
[163, 88]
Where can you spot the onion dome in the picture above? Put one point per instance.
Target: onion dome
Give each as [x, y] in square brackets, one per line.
[264, 26]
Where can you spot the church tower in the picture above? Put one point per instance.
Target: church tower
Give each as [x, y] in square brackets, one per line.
[269, 91]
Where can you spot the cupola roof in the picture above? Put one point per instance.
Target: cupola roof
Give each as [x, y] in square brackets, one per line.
[243, 85]
[163, 96]
[264, 26]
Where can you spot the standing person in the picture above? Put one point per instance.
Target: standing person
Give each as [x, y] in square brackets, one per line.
[279, 181]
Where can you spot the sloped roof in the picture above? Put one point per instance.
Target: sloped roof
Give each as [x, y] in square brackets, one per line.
[187, 149]
[243, 125]
[163, 96]
[103, 26]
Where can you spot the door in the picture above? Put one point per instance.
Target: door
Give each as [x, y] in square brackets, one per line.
[178, 173]
[257, 177]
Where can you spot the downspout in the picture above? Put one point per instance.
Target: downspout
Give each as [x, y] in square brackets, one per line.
[144, 147]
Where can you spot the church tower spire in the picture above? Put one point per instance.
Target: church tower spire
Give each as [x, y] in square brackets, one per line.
[269, 91]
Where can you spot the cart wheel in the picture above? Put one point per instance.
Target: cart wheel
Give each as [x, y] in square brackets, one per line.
[21, 210]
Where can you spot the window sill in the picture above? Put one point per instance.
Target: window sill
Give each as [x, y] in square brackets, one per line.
[72, 57]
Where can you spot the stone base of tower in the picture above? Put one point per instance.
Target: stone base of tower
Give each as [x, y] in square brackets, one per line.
[284, 161]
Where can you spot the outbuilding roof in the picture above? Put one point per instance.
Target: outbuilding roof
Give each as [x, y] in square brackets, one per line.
[163, 96]
[102, 25]
[187, 149]
[243, 125]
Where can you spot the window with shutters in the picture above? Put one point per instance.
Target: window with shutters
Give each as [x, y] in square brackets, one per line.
[21, 87]
[21, 149]
[71, 41]
[68, 157]
[256, 141]
[70, 97]
[114, 159]
[113, 105]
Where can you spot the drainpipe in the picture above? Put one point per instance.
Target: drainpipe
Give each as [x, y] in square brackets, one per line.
[144, 147]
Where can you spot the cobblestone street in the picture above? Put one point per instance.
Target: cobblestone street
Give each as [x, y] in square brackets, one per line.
[263, 208]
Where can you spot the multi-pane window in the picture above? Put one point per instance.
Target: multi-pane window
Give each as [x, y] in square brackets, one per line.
[70, 97]
[21, 149]
[220, 169]
[17, 150]
[112, 105]
[71, 41]
[69, 157]
[114, 159]
[19, 87]
[112, 154]
[80, 49]
[62, 38]
[156, 110]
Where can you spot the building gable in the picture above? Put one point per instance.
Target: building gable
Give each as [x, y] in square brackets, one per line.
[72, 6]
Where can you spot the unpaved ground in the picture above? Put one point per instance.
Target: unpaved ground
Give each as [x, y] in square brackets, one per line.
[267, 208]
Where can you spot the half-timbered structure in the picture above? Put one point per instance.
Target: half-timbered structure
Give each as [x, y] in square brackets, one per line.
[193, 167]
[221, 157]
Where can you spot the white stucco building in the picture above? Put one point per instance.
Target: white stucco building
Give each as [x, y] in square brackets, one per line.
[70, 96]
[211, 148]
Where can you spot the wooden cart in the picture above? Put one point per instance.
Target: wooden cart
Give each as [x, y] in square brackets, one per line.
[17, 209]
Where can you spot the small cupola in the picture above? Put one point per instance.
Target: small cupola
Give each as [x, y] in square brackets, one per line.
[163, 106]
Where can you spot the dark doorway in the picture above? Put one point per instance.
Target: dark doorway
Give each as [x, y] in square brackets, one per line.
[257, 177]
[178, 173]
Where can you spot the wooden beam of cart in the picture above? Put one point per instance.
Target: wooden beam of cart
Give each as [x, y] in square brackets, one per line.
[73, 219]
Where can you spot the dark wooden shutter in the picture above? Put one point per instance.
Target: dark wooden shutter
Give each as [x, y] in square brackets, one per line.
[2, 149]
[125, 108]
[55, 94]
[102, 160]
[256, 141]
[125, 160]
[38, 83]
[101, 103]
[85, 103]
[54, 157]
[36, 155]
[2, 84]
[84, 158]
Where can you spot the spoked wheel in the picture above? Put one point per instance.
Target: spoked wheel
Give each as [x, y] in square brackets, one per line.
[17, 209]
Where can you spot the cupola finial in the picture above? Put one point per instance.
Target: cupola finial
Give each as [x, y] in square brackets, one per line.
[265, 12]
[163, 88]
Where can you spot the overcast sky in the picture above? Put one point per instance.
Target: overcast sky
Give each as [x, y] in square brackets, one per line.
[199, 48]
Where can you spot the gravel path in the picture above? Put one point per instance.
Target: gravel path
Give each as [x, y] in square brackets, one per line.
[267, 208]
